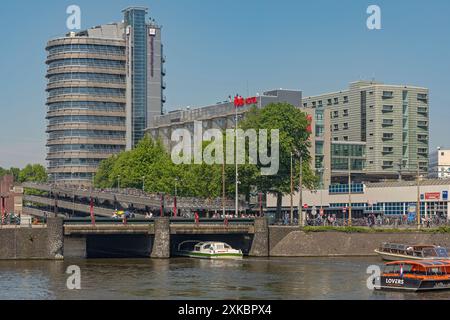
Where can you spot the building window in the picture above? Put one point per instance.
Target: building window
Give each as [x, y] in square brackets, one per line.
[346, 126]
[345, 138]
[422, 137]
[422, 97]
[320, 104]
[336, 139]
[423, 110]
[305, 105]
[336, 127]
[388, 150]
[336, 100]
[388, 122]
[345, 112]
[422, 124]
[388, 95]
[335, 114]
[345, 99]
[388, 108]
[388, 136]
[388, 164]
[314, 104]
[329, 102]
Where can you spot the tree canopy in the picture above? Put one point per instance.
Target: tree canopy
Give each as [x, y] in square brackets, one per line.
[149, 165]
[31, 173]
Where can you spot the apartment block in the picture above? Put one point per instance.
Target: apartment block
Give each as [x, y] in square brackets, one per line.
[392, 121]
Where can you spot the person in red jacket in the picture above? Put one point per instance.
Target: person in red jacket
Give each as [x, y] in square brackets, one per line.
[197, 218]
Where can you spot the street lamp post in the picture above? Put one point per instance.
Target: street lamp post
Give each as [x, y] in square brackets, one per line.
[235, 157]
[118, 183]
[143, 183]
[418, 197]
[349, 191]
[292, 190]
[175, 204]
[301, 216]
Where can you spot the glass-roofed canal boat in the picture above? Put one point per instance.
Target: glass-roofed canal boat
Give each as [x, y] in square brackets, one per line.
[394, 252]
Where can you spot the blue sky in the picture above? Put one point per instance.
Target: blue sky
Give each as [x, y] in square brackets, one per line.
[218, 48]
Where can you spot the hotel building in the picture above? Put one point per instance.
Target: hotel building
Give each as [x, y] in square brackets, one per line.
[104, 83]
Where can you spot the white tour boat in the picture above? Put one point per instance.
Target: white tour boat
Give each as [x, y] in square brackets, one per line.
[211, 250]
[395, 252]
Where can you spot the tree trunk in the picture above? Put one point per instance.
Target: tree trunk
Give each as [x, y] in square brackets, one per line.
[279, 204]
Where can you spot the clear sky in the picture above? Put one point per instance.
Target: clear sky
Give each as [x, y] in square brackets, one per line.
[217, 48]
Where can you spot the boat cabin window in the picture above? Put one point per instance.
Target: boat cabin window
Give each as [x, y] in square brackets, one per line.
[407, 268]
[206, 247]
[197, 248]
[428, 252]
[442, 252]
[227, 246]
[389, 269]
[436, 271]
[219, 246]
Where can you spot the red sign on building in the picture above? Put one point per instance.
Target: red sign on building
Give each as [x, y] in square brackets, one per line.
[433, 196]
[241, 102]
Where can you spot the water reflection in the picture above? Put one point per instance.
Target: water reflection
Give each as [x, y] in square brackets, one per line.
[181, 278]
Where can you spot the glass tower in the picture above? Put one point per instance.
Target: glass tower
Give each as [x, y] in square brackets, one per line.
[144, 57]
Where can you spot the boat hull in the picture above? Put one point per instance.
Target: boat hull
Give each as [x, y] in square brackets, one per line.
[213, 256]
[410, 284]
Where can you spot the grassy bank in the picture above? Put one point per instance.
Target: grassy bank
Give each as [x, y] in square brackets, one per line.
[374, 230]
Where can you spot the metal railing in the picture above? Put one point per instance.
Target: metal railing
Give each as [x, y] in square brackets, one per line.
[139, 221]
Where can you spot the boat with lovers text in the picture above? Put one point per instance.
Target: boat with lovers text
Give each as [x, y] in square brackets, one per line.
[413, 275]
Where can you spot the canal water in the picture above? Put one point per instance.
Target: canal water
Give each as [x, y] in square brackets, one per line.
[180, 278]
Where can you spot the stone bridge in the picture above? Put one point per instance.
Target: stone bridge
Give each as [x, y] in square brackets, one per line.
[156, 238]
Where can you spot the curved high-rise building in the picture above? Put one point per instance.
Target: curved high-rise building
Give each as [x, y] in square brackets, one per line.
[105, 86]
[86, 102]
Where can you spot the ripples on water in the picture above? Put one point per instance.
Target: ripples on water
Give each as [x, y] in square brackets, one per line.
[276, 278]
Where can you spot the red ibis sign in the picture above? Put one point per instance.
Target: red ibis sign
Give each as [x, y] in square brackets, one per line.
[241, 102]
[433, 196]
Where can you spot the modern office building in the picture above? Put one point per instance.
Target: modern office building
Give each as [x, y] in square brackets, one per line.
[145, 73]
[387, 125]
[103, 83]
[440, 164]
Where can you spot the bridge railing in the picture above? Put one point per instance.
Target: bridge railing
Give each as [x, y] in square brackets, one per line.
[176, 221]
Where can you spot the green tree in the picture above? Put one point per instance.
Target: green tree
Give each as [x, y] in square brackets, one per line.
[15, 172]
[2, 172]
[33, 173]
[292, 124]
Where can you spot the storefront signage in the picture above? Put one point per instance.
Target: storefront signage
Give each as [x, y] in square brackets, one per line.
[433, 196]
